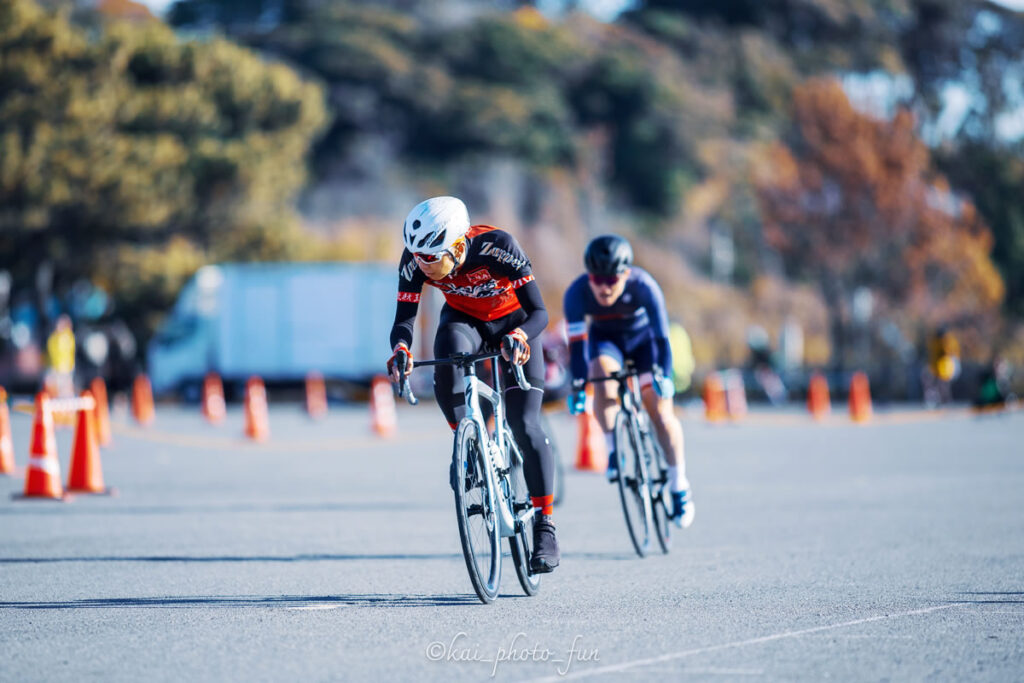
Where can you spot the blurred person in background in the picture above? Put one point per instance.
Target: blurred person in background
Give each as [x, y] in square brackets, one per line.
[762, 363]
[683, 362]
[943, 367]
[491, 302]
[60, 348]
[994, 385]
[627, 320]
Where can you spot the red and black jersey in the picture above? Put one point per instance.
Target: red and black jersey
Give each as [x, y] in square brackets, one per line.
[484, 285]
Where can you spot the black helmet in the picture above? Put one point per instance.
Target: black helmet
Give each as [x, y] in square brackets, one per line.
[608, 255]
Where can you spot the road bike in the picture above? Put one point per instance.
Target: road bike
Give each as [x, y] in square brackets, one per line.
[486, 474]
[642, 468]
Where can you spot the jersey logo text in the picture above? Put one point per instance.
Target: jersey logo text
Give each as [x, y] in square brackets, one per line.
[501, 255]
[478, 276]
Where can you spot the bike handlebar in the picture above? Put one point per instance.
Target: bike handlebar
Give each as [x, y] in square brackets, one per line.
[461, 360]
[620, 376]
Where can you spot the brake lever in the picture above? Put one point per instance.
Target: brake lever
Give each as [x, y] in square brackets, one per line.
[406, 390]
[517, 372]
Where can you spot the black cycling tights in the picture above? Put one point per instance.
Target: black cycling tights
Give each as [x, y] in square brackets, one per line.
[522, 407]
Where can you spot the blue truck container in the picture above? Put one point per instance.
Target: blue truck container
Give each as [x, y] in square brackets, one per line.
[279, 321]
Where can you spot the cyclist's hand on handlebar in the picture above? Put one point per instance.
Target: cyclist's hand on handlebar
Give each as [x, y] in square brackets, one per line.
[577, 400]
[400, 363]
[515, 347]
[664, 387]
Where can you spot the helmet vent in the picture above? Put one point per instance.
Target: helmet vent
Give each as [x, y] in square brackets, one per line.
[439, 239]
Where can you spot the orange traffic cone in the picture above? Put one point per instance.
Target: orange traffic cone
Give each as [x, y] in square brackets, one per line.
[142, 400]
[257, 423]
[85, 473]
[715, 409]
[860, 398]
[818, 402]
[735, 395]
[99, 392]
[382, 407]
[43, 477]
[214, 407]
[591, 449]
[316, 395]
[6, 445]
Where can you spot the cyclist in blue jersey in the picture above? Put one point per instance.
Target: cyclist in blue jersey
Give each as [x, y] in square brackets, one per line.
[627, 320]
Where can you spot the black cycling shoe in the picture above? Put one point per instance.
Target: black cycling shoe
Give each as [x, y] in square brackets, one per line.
[545, 546]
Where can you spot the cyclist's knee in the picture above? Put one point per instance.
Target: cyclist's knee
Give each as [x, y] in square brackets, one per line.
[661, 410]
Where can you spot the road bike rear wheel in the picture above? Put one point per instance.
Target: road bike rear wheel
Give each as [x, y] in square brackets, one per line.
[520, 544]
[661, 501]
[633, 484]
[476, 510]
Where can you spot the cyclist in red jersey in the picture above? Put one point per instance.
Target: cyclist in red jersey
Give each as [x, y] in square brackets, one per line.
[491, 301]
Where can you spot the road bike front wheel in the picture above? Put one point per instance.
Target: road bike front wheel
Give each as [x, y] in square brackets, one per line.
[661, 502]
[520, 544]
[633, 484]
[476, 510]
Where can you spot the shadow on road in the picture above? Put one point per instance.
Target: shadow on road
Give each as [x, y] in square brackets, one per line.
[313, 557]
[234, 558]
[383, 506]
[308, 602]
[994, 597]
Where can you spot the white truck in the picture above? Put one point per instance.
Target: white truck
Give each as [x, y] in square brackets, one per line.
[279, 321]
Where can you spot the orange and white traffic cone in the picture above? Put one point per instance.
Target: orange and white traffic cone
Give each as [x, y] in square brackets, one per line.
[383, 417]
[316, 395]
[99, 392]
[860, 398]
[6, 445]
[257, 422]
[142, 400]
[591, 449]
[42, 479]
[214, 407]
[85, 473]
[735, 395]
[818, 402]
[715, 409]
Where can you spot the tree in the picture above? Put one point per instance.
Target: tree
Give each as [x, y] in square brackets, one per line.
[115, 149]
[851, 202]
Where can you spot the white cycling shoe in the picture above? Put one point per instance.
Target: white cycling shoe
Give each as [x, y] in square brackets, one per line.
[682, 509]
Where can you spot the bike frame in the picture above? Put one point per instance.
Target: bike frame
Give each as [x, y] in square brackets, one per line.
[476, 389]
[494, 448]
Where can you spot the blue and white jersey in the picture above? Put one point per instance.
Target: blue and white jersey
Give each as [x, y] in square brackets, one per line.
[640, 311]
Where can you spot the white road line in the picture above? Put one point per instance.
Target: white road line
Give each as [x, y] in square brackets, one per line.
[739, 643]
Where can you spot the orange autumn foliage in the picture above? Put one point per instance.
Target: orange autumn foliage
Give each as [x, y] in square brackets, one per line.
[852, 201]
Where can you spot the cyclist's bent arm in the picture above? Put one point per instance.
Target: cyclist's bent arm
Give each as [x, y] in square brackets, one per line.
[533, 305]
[653, 299]
[410, 286]
[572, 305]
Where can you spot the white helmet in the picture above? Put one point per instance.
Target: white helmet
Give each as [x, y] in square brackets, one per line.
[435, 225]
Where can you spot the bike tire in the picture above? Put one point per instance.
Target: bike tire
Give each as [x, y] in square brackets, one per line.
[476, 511]
[632, 484]
[660, 500]
[520, 545]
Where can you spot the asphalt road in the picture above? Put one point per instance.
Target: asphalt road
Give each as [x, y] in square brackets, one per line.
[892, 551]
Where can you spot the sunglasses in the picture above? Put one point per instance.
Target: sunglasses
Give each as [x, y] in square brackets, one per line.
[605, 280]
[431, 259]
